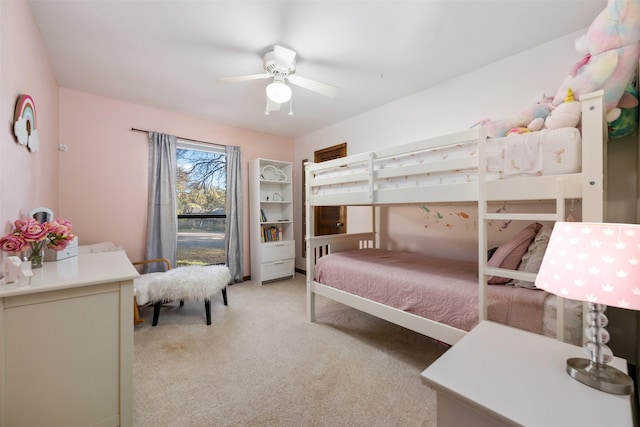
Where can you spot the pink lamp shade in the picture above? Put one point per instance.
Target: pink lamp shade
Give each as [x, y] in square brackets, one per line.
[593, 262]
[597, 263]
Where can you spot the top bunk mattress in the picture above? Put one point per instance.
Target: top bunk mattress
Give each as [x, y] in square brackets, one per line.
[547, 152]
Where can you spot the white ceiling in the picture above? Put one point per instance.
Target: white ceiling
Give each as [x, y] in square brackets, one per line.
[168, 54]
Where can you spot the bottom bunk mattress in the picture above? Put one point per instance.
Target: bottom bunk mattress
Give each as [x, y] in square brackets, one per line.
[445, 291]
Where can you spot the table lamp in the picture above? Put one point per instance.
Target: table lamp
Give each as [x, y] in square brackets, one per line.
[598, 263]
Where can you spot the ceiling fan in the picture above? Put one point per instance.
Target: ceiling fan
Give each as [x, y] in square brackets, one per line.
[280, 64]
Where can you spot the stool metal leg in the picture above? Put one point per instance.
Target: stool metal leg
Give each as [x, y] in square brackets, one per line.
[207, 309]
[224, 295]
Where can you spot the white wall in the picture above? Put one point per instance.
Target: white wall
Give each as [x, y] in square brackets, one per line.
[496, 91]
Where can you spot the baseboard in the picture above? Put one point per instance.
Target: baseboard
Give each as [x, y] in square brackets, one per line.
[297, 270]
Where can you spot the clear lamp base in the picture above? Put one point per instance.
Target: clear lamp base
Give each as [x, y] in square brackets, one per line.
[602, 377]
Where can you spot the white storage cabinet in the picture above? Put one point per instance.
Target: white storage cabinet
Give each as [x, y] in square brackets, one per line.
[66, 344]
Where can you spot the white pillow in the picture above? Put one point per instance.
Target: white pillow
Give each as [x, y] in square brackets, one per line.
[99, 247]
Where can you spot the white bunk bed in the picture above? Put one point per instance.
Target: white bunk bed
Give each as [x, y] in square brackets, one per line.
[370, 179]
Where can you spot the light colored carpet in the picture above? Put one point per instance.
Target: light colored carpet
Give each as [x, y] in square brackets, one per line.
[260, 363]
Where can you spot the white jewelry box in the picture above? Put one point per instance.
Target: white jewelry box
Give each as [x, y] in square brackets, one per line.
[70, 251]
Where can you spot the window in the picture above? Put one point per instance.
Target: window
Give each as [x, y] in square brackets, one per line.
[201, 196]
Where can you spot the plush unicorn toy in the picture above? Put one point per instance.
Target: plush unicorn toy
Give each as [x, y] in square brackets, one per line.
[612, 49]
[520, 120]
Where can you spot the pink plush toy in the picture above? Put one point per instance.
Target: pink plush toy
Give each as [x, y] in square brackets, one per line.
[612, 49]
[497, 128]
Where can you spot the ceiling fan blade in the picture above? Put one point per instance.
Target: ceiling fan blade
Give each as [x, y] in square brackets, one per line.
[245, 78]
[283, 57]
[313, 85]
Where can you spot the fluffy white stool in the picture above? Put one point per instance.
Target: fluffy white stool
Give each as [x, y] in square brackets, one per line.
[191, 283]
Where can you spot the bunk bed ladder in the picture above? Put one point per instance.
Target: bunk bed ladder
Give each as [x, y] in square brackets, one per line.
[558, 215]
[485, 216]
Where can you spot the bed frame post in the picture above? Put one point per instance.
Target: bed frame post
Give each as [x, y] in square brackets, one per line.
[482, 226]
[560, 216]
[375, 225]
[310, 252]
[594, 160]
[594, 157]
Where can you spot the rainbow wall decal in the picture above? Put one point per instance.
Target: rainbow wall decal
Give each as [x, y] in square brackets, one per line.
[25, 124]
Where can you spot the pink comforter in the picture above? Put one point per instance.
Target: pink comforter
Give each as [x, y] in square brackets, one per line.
[442, 290]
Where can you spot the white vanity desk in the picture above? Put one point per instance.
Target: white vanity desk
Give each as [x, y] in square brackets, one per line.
[66, 344]
[502, 376]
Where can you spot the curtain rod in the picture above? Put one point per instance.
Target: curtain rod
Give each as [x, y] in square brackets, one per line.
[179, 137]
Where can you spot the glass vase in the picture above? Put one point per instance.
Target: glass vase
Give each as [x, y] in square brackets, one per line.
[36, 256]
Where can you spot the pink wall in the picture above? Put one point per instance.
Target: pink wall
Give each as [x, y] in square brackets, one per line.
[103, 175]
[27, 179]
[100, 183]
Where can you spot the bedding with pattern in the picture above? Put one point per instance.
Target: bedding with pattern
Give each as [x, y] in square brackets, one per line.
[442, 290]
[547, 152]
[446, 291]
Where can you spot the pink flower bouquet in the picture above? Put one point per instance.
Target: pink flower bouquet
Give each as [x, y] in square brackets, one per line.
[30, 234]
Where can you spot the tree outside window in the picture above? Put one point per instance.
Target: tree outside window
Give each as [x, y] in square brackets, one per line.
[201, 192]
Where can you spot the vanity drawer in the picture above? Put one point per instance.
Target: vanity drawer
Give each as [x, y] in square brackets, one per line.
[276, 251]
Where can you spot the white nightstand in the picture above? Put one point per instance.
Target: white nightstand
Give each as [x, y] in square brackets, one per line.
[498, 375]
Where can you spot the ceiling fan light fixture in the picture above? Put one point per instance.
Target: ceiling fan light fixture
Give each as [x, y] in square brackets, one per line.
[278, 91]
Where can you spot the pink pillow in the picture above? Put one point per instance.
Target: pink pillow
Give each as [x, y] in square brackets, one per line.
[509, 254]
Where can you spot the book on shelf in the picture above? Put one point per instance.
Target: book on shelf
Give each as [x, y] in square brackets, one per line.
[271, 234]
[263, 217]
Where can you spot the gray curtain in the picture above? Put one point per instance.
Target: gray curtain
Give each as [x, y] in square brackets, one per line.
[162, 221]
[233, 230]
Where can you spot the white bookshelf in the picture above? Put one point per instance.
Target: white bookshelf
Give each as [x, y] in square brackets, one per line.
[271, 220]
